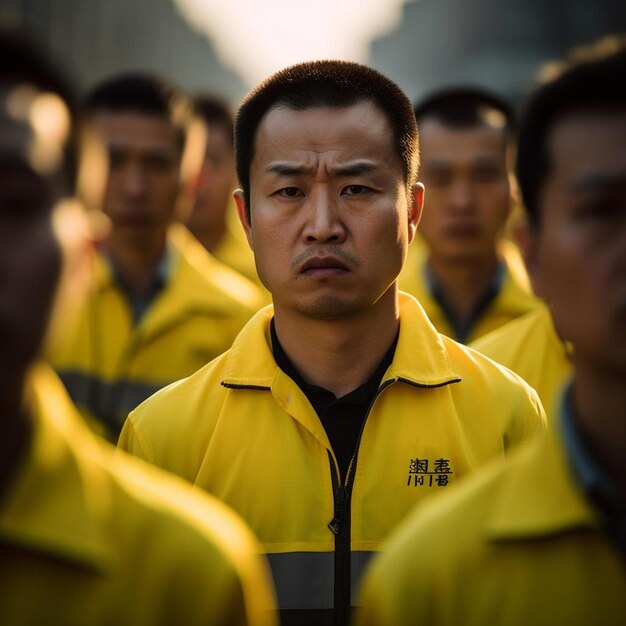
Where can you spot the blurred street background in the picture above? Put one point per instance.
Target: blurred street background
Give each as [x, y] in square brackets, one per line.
[226, 46]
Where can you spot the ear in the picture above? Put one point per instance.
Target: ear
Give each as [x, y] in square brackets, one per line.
[415, 208]
[240, 202]
[529, 241]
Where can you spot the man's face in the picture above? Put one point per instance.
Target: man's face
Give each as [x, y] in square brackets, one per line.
[577, 256]
[331, 217]
[465, 174]
[217, 181]
[30, 257]
[144, 172]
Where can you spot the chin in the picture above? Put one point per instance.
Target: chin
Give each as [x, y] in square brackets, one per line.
[468, 256]
[329, 308]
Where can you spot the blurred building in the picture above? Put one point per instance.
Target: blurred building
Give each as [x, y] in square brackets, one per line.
[496, 43]
[94, 38]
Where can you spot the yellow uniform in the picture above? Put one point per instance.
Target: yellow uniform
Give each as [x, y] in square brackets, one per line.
[513, 299]
[531, 348]
[245, 432]
[516, 545]
[88, 536]
[109, 364]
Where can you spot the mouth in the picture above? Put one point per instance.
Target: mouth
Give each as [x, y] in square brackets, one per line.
[324, 266]
[132, 220]
[463, 230]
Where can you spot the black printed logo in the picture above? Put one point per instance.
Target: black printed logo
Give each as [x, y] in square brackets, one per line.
[424, 473]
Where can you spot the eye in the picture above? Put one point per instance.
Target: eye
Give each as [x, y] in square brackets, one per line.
[355, 190]
[601, 209]
[487, 174]
[159, 162]
[116, 159]
[289, 192]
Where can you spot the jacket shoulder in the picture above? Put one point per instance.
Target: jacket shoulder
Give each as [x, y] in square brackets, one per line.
[211, 280]
[512, 400]
[472, 364]
[202, 561]
[172, 428]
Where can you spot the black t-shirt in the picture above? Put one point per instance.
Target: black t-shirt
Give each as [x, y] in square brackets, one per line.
[343, 417]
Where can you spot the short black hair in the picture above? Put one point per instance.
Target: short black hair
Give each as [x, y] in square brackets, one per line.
[22, 62]
[319, 84]
[214, 112]
[464, 107]
[142, 93]
[591, 79]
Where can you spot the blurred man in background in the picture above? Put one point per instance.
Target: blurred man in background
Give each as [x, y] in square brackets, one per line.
[161, 307]
[541, 538]
[213, 219]
[468, 277]
[87, 536]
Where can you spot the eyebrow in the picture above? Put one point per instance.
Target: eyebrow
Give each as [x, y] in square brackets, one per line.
[357, 168]
[285, 169]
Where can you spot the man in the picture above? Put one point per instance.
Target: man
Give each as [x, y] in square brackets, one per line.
[339, 408]
[86, 536]
[468, 278]
[162, 306]
[541, 538]
[213, 220]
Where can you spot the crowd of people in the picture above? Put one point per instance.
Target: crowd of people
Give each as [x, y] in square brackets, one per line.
[336, 358]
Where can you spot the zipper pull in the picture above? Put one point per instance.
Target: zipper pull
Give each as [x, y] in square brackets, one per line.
[341, 497]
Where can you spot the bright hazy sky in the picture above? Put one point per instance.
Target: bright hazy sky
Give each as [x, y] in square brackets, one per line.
[257, 37]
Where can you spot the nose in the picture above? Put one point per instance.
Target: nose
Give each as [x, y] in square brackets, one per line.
[133, 181]
[323, 219]
[462, 196]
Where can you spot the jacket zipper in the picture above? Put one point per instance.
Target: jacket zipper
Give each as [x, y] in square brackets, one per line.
[340, 524]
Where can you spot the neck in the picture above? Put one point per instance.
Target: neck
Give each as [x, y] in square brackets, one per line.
[339, 355]
[211, 236]
[599, 402]
[15, 427]
[463, 284]
[136, 260]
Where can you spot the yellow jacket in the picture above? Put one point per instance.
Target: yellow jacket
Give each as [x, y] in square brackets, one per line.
[514, 299]
[109, 365]
[531, 348]
[516, 545]
[88, 536]
[245, 432]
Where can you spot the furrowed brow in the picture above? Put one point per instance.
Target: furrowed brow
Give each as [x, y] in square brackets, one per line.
[285, 169]
[357, 168]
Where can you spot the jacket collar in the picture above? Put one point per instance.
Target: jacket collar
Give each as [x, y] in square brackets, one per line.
[54, 505]
[197, 283]
[514, 297]
[538, 496]
[421, 357]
